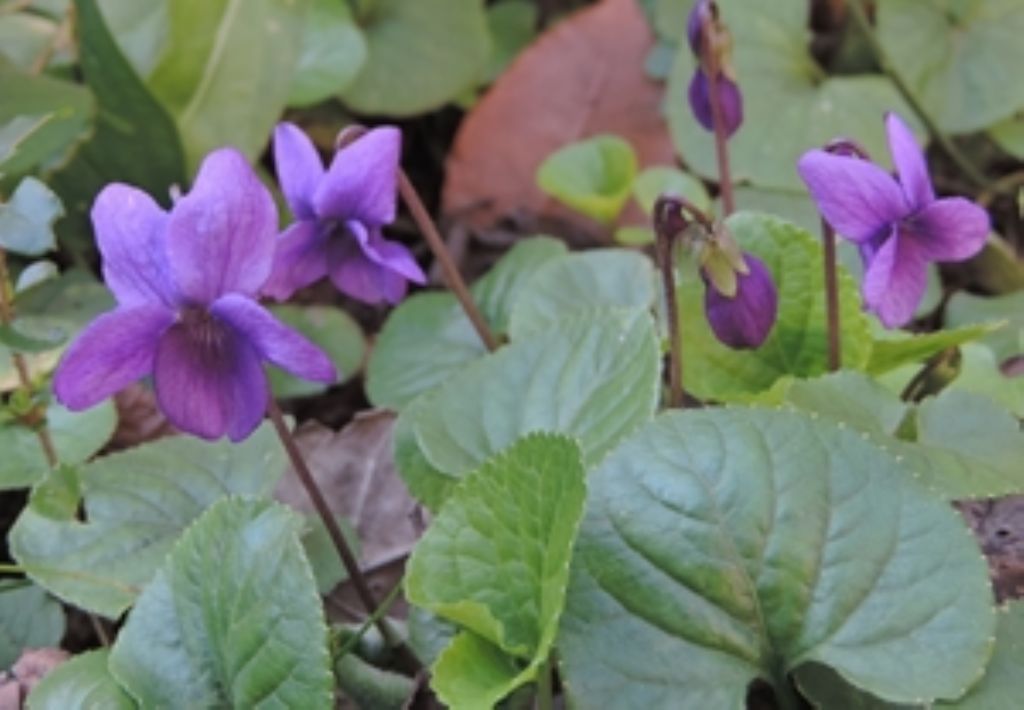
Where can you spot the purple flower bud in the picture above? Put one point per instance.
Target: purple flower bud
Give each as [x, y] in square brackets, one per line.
[729, 96]
[743, 321]
[695, 22]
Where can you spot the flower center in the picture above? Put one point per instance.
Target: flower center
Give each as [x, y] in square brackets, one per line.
[207, 333]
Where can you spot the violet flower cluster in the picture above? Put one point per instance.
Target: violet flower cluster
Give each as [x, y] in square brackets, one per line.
[897, 223]
[713, 71]
[186, 283]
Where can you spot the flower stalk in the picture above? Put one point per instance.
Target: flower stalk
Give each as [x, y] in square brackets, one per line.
[828, 236]
[21, 366]
[348, 558]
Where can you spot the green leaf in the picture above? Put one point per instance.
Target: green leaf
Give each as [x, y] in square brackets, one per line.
[420, 55]
[659, 180]
[892, 352]
[15, 132]
[980, 373]
[999, 689]
[732, 544]
[1007, 341]
[957, 57]
[76, 437]
[581, 283]
[793, 206]
[34, 274]
[337, 334]
[231, 619]
[372, 687]
[206, 72]
[796, 344]
[39, 338]
[137, 503]
[62, 113]
[593, 176]
[426, 484]
[29, 618]
[333, 52]
[319, 548]
[26, 222]
[512, 25]
[140, 29]
[428, 338]
[496, 561]
[81, 682]
[957, 445]
[128, 117]
[790, 104]
[595, 378]
[1009, 134]
[24, 36]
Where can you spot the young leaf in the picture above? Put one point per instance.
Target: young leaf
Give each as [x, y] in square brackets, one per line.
[82, 682]
[76, 436]
[26, 222]
[1007, 341]
[897, 350]
[428, 485]
[420, 55]
[660, 180]
[593, 176]
[735, 544]
[205, 73]
[790, 103]
[429, 338]
[581, 283]
[29, 618]
[137, 503]
[232, 618]
[796, 344]
[595, 378]
[496, 562]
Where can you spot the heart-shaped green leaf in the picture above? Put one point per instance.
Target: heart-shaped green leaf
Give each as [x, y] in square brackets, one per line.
[496, 562]
[736, 544]
[593, 176]
[26, 221]
[333, 51]
[136, 504]
[231, 619]
[595, 378]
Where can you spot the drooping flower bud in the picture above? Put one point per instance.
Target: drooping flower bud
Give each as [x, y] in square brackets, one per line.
[740, 299]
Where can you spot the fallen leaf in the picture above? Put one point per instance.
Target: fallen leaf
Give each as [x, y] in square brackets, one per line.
[583, 77]
[138, 418]
[355, 470]
[25, 674]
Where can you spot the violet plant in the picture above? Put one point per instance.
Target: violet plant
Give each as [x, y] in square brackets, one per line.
[684, 470]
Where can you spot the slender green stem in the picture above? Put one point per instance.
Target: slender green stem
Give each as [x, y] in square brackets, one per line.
[831, 296]
[348, 558]
[545, 684]
[885, 62]
[382, 609]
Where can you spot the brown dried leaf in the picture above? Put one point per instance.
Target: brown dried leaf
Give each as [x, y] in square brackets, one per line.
[356, 471]
[138, 418]
[583, 77]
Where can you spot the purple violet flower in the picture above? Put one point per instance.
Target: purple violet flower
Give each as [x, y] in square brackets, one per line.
[699, 93]
[897, 223]
[744, 319]
[185, 284]
[339, 214]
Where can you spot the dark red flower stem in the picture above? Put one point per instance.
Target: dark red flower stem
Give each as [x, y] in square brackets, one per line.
[452, 277]
[712, 69]
[348, 558]
[21, 365]
[831, 296]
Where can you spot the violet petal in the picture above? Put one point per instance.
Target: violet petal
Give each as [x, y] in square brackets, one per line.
[221, 235]
[909, 161]
[114, 351]
[895, 281]
[856, 197]
[745, 320]
[362, 181]
[392, 255]
[209, 381]
[130, 230]
[273, 340]
[357, 275]
[299, 168]
[950, 229]
[300, 259]
[694, 25]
